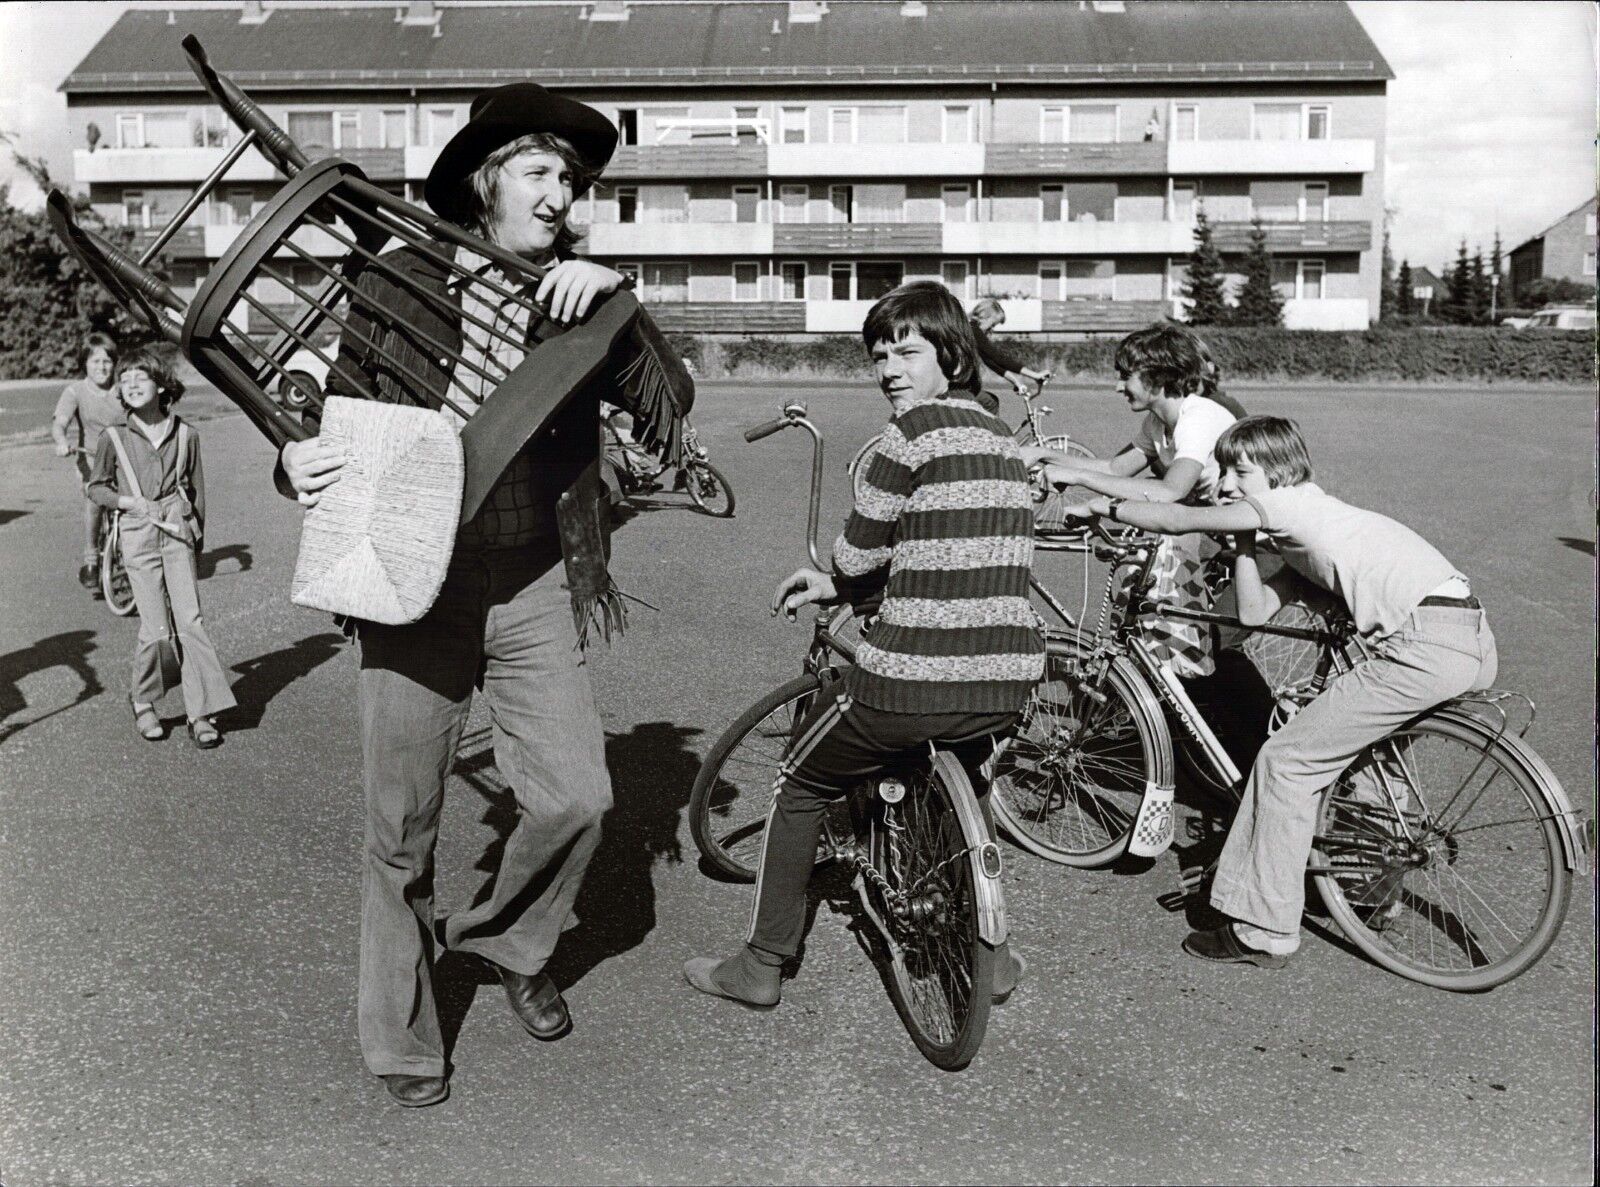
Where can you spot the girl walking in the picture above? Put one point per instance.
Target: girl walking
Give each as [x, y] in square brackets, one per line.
[149, 471]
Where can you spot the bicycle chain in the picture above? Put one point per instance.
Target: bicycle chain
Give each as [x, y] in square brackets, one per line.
[899, 900]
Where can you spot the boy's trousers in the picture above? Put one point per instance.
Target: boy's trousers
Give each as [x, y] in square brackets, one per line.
[503, 623]
[1440, 652]
[161, 571]
[836, 745]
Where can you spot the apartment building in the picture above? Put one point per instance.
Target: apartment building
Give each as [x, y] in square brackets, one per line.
[784, 164]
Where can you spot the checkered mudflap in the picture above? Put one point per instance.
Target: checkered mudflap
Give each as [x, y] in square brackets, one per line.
[1152, 831]
[1178, 579]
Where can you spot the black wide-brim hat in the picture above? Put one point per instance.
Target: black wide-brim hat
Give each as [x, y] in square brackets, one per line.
[500, 116]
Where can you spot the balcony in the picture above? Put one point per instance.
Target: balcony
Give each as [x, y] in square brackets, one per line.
[688, 161]
[379, 164]
[895, 239]
[730, 317]
[1099, 316]
[157, 165]
[875, 160]
[1075, 160]
[318, 243]
[1069, 238]
[189, 243]
[1189, 157]
[626, 240]
[1355, 235]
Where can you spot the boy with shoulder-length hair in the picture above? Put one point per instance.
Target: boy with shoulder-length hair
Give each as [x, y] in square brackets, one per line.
[942, 530]
[86, 407]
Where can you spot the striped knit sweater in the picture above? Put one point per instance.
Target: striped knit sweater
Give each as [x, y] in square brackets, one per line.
[944, 529]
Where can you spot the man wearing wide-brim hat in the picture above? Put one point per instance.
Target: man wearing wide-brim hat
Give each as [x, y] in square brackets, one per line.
[527, 582]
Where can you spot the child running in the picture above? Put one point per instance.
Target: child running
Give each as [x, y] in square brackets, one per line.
[1426, 633]
[150, 471]
[87, 406]
[943, 530]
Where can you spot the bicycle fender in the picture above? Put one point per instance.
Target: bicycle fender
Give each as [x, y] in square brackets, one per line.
[985, 855]
[1574, 847]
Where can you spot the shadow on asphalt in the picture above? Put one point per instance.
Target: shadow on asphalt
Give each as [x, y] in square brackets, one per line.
[70, 650]
[652, 769]
[212, 558]
[263, 678]
[7, 515]
[1573, 542]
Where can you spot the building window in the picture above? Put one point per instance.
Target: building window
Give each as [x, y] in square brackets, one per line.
[1291, 121]
[1183, 197]
[1051, 275]
[1299, 280]
[1092, 123]
[792, 281]
[877, 278]
[746, 204]
[1315, 202]
[627, 125]
[392, 129]
[663, 204]
[664, 282]
[1052, 125]
[440, 124]
[746, 281]
[347, 129]
[794, 125]
[325, 129]
[627, 204]
[841, 281]
[135, 209]
[881, 125]
[212, 129]
[879, 204]
[747, 125]
[1185, 122]
[154, 129]
[1589, 223]
[841, 204]
[1089, 278]
[1053, 203]
[955, 277]
[231, 207]
[841, 125]
[960, 126]
[792, 203]
[1588, 263]
[957, 202]
[130, 129]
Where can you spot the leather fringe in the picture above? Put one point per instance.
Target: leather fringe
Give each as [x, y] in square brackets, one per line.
[605, 612]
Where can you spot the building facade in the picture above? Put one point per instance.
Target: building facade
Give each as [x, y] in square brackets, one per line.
[1565, 250]
[784, 164]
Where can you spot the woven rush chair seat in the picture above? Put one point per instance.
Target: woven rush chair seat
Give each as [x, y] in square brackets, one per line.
[378, 543]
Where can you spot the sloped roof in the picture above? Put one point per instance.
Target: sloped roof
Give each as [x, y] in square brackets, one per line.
[1587, 204]
[857, 40]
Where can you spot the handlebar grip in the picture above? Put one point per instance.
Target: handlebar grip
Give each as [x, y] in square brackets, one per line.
[766, 430]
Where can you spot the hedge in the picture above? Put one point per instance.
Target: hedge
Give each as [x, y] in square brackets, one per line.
[1411, 354]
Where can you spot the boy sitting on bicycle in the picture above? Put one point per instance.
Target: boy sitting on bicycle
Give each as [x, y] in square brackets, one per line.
[1425, 632]
[942, 529]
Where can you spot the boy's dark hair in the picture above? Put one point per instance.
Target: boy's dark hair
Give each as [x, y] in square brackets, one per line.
[1272, 442]
[926, 307]
[1167, 358]
[156, 363]
[97, 340]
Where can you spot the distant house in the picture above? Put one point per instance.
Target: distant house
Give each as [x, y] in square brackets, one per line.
[1425, 286]
[1565, 250]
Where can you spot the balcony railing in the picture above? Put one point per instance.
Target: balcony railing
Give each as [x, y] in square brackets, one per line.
[729, 317]
[1139, 159]
[1353, 235]
[689, 160]
[1099, 315]
[625, 240]
[859, 238]
[1187, 158]
[187, 243]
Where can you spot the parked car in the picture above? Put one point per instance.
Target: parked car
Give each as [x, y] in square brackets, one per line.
[307, 375]
[1563, 317]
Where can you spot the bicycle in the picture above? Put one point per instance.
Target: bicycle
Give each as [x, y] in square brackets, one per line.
[636, 472]
[1029, 431]
[926, 872]
[115, 589]
[1444, 853]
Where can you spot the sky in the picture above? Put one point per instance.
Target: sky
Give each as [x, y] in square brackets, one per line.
[1492, 113]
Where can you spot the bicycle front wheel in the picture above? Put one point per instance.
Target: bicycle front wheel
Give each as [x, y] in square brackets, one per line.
[1070, 446]
[1438, 854]
[733, 790]
[921, 887]
[709, 489]
[114, 584]
[1068, 786]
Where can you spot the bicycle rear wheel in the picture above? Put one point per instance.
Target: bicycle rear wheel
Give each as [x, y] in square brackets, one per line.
[114, 582]
[733, 790]
[922, 892]
[1463, 887]
[709, 489]
[1068, 786]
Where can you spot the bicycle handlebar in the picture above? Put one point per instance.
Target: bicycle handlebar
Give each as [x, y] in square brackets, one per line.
[795, 415]
[755, 434]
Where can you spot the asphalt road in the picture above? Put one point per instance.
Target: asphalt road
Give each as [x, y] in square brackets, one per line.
[178, 929]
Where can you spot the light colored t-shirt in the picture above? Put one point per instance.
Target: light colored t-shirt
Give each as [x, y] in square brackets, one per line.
[1194, 436]
[1380, 568]
[91, 409]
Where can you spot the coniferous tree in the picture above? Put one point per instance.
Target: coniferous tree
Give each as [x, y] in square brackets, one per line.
[1497, 268]
[1457, 304]
[1204, 287]
[1404, 302]
[1388, 293]
[1480, 290]
[1259, 302]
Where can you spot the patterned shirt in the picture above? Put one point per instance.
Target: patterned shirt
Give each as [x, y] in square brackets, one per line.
[944, 527]
[522, 506]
